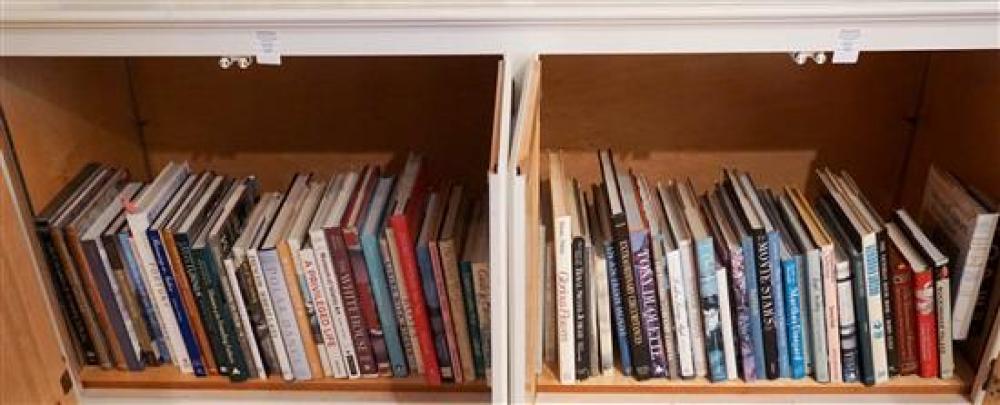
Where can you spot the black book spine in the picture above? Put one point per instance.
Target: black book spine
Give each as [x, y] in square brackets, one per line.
[64, 294]
[891, 352]
[581, 340]
[637, 341]
[769, 325]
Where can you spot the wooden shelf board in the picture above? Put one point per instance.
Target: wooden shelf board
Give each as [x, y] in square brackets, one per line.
[618, 383]
[172, 378]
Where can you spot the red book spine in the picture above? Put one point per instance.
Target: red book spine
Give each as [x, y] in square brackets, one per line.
[352, 306]
[449, 328]
[367, 300]
[926, 323]
[411, 278]
[905, 314]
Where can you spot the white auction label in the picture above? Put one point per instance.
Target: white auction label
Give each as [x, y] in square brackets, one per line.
[848, 46]
[266, 48]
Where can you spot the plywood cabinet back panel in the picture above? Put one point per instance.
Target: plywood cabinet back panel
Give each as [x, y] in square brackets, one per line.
[321, 114]
[689, 115]
[65, 112]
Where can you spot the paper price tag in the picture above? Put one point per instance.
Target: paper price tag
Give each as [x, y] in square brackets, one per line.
[266, 48]
[848, 46]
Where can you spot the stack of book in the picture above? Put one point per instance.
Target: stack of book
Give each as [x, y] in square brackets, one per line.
[743, 281]
[360, 274]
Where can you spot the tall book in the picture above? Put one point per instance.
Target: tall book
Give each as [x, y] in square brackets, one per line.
[792, 279]
[450, 240]
[474, 254]
[732, 255]
[562, 221]
[638, 352]
[683, 276]
[729, 303]
[433, 214]
[140, 212]
[400, 302]
[902, 298]
[939, 264]
[963, 228]
[613, 279]
[407, 214]
[678, 257]
[438, 270]
[590, 290]
[644, 279]
[581, 266]
[119, 248]
[659, 247]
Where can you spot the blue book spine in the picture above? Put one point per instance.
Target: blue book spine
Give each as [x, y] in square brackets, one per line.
[618, 307]
[163, 264]
[434, 310]
[148, 313]
[793, 316]
[469, 298]
[709, 287]
[778, 287]
[383, 302]
[270, 265]
[650, 310]
[753, 301]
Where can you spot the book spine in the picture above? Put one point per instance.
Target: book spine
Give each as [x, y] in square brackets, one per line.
[170, 285]
[820, 326]
[273, 330]
[217, 296]
[793, 317]
[324, 319]
[904, 317]
[74, 258]
[284, 311]
[386, 314]
[138, 224]
[866, 372]
[637, 338]
[434, 312]
[598, 277]
[709, 291]
[690, 278]
[412, 281]
[926, 323]
[888, 315]
[873, 298]
[849, 285]
[618, 307]
[338, 312]
[460, 325]
[352, 303]
[780, 312]
[971, 265]
[364, 293]
[148, 351]
[741, 300]
[83, 343]
[446, 316]
[472, 315]
[305, 303]
[942, 297]
[769, 322]
[752, 277]
[804, 313]
[240, 337]
[243, 315]
[190, 304]
[725, 318]
[679, 298]
[114, 275]
[581, 343]
[134, 273]
[256, 322]
[481, 284]
[833, 300]
[399, 305]
[103, 299]
[590, 304]
[193, 266]
[646, 286]
[659, 261]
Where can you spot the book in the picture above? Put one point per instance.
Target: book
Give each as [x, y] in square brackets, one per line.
[727, 302]
[613, 279]
[123, 263]
[963, 228]
[600, 230]
[449, 244]
[474, 255]
[582, 336]
[939, 265]
[644, 279]
[590, 290]
[400, 303]
[281, 364]
[437, 269]
[408, 210]
[653, 210]
[140, 212]
[684, 283]
[902, 298]
[434, 210]
[988, 300]
[791, 262]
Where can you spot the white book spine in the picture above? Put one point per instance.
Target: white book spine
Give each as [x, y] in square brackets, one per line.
[330, 346]
[946, 356]
[591, 306]
[272, 319]
[341, 327]
[564, 300]
[834, 306]
[690, 273]
[818, 326]
[971, 274]
[138, 223]
[876, 319]
[241, 310]
[600, 282]
[725, 317]
[679, 304]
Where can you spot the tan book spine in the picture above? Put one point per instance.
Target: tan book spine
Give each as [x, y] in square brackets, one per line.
[295, 293]
[190, 305]
[449, 261]
[89, 316]
[132, 307]
[90, 289]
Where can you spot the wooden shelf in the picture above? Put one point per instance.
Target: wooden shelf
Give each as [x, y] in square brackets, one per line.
[172, 378]
[618, 383]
